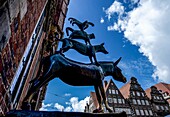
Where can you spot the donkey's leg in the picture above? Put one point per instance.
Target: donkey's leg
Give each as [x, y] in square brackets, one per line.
[98, 97]
[104, 97]
[91, 60]
[96, 62]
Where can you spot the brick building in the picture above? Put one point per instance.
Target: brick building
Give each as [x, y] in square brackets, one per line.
[24, 39]
[132, 99]
[163, 88]
[137, 98]
[159, 99]
[115, 100]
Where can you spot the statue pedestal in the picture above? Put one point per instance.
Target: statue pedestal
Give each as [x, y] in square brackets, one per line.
[25, 113]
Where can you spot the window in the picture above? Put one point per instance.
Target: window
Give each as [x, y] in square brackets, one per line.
[137, 112]
[162, 107]
[123, 101]
[158, 97]
[110, 91]
[116, 91]
[154, 97]
[146, 112]
[157, 107]
[142, 94]
[143, 102]
[117, 110]
[119, 100]
[133, 93]
[139, 103]
[110, 100]
[114, 100]
[134, 101]
[113, 91]
[150, 112]
[128, 111]
[166, 108]
[147, 103]
[141, 111]
[138, 93]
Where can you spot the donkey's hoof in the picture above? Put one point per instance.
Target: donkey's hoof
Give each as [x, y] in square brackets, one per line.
[98, 111]
[110, 110]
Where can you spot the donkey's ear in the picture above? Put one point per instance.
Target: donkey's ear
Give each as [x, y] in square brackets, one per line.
[117, 61]
[102, 44]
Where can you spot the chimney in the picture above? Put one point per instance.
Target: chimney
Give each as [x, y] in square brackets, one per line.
[105, 83]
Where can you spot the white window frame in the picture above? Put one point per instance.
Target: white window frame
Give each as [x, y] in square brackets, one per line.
[137, 112]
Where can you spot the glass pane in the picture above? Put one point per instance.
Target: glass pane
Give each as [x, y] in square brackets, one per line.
[146, 112]
[141, 111]
[137, 112]
[114, 100]
[119, 100]
[150, 112]
[134, 101]
[139, 102]
[113, 91]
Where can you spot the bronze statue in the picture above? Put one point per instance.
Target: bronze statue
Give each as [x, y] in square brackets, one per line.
[82, 26]
[77, 74]
[78, 34]
[87, 50]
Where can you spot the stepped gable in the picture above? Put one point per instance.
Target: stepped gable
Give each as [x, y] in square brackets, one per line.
[137, 98]
[160, 105]
[164, 88]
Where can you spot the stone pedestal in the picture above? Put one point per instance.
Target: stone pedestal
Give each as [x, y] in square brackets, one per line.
[24, 113]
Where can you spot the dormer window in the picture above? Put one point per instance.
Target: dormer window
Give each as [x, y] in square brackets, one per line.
[113, 91]
[138, 93]
[136, 86]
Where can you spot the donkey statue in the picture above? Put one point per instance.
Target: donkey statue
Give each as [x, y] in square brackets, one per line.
[82, 26]
[86, 50]
[78, 34]
[76, 74]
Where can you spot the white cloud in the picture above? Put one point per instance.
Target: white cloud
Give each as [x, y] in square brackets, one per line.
[59, 107]
[73, 105]
[67, 94]
[116, 7]
[45, 107]
[78, 106]
[101, 20]
[68, 109]
[148, 27]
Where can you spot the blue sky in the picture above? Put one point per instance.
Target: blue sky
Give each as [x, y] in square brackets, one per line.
[137, 31]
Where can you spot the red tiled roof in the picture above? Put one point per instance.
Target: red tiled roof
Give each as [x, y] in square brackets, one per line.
[125, 90]
[164, 87]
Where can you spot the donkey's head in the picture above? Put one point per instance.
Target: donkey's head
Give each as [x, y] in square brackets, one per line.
[116, 73]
